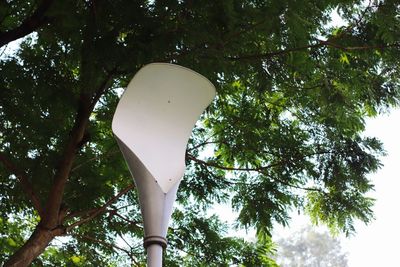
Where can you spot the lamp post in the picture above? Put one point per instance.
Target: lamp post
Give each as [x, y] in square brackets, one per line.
[152, 124]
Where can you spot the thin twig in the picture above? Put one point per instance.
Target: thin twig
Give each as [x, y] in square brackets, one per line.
[134, 223]
[321, 43]
[203, 144]
[123, 239]
[106, 155]
[207, 45]
[121, 236]
[101, 209]
[260, 170]
[80, 213]
[24, 181]
[356, 22]
[274, 53]
[106, 244]
[212, 164]
[103, 87]
[4, 50]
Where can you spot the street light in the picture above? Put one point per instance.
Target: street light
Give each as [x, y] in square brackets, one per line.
[152, 124]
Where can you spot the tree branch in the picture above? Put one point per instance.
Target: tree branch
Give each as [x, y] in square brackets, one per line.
[132, 223]
[4, 50]
[357, 21]
[24, 181]
[107, 154]
[274, 53]
[203, 144]
[120, 235]
[260, 170]
[206, 45]
[214, 165]
[100, 209]
[320, 43]
[112, 246]
[57, 189]
[354, 48]
[80, 213]
[294, 186]
[103, 87]
[86, 106]
[29, 25]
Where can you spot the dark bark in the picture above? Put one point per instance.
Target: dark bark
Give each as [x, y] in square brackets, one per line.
[55, 197]
[51, 224]
[42, 236]
[101, 209]
[35, 245]
[29, 25]
[54, 213]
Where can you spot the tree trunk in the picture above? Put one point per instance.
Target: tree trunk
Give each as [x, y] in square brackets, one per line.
[32, 248]
[54, 212]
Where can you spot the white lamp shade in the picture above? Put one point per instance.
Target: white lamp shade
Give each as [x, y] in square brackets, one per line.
[155, 117]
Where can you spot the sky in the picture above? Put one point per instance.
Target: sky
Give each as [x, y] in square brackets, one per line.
[375, 244]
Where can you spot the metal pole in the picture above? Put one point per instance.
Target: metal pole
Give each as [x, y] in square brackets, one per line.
[152, 125]
[154, 255]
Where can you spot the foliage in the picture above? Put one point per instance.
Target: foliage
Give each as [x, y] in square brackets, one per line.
[285, 131]
[198, 241]
[309, 248]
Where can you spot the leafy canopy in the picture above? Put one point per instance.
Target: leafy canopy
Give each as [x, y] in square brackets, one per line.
[284, 133]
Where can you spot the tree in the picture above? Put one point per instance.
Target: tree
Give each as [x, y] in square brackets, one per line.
[285, 129]
[308, 247]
